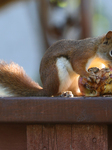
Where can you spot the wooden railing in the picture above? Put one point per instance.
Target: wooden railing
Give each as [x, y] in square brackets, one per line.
[78, 123]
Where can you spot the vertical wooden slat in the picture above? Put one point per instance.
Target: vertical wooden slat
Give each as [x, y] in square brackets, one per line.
[89, 137]
[34, 137]
[64, 137]
[49, 137]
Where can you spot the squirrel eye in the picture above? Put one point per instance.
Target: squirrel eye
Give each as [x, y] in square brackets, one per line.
[110, 53]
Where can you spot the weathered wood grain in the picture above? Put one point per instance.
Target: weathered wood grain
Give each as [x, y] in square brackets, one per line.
[49, 137]
[68, 137]
[34, 137]
[53, 137]
[64, 138]
[89, 137]
[56, 110]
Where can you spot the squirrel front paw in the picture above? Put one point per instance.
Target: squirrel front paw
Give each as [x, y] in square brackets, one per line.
[67, 94]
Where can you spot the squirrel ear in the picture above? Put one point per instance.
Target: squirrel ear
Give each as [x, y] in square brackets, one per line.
[109, 35]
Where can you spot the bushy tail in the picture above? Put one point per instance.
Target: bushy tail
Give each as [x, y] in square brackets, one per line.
[15, 81]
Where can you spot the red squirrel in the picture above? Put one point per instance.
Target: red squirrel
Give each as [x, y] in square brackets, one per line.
[60, 65]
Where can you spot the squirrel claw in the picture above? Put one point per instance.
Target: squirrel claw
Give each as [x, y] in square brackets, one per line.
[89, 79]
[93, 78]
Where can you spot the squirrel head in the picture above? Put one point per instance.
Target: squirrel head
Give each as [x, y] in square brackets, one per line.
[104, 50]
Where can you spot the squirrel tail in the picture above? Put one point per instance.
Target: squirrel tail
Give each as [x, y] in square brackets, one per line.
[15, 81]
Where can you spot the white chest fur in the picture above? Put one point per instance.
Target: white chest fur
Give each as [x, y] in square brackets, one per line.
[65, 73]
[89, 62]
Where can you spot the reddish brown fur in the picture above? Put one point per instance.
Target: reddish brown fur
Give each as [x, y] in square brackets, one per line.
[78, 53]
[16, 81]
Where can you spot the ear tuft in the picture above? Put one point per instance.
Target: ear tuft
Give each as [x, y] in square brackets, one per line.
[109, 35]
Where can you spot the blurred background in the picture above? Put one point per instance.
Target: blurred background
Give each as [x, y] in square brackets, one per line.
[29, 27]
